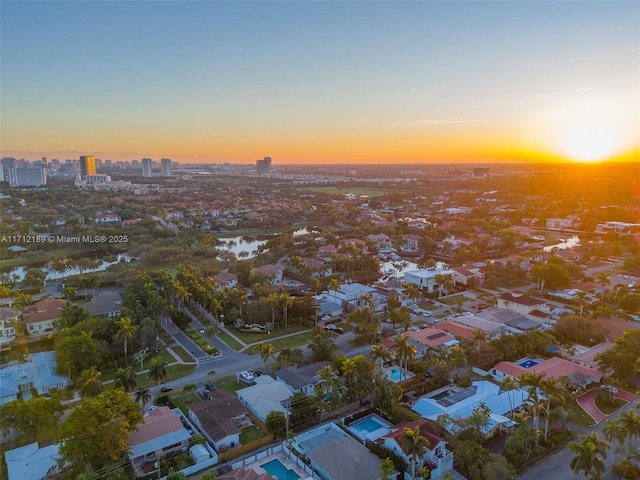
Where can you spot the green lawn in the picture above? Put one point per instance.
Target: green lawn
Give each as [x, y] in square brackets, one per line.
[182, 353]
[617, 403]
[251, 337]
[250, 434]
[229, 383]
[287, 342]
[229, 340]
[579, 416]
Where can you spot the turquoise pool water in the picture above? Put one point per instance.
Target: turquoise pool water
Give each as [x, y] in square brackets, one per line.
[529, 363]
[396, 375]
[276, 469]
[367, 425]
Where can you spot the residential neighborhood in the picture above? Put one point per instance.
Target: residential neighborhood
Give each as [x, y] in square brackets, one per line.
[324, 324]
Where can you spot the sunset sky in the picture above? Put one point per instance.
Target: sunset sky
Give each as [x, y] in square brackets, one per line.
[321, 82]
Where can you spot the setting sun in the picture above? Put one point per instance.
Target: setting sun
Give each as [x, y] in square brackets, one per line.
[590, 142]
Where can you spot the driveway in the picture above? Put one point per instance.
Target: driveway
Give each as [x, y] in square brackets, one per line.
[588, 404]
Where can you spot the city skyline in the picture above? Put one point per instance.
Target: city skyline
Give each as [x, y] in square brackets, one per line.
[321, 82]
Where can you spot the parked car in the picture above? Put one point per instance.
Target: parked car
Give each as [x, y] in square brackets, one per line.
[209, 386]
[206, 394]
[166, 389]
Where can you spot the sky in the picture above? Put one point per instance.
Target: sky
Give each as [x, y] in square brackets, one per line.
[321, 81]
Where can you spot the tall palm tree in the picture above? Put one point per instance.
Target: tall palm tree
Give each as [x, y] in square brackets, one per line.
[533, 381]
[158, 369]
[125, 378]
[413, 445]
[589, 455]
[549, 387]
[266, 351]
[143, 396]
[562, 414]
[602, 280]
[126, 331]
[404, 351]
[631, 422]
[286, 301]
[508, 385]
[189, 388]
[581, 298]
[328, 378]
[615, 431]
[273, 299]
[379, 354]
[90, 383]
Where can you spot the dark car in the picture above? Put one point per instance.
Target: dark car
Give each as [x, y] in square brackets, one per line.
[166, 389]
[209, 386]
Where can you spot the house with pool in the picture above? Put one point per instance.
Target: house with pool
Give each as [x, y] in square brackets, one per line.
[554, 367]
[373, 428]
[458, 403]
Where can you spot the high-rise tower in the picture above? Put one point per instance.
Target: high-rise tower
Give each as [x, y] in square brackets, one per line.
[87, 165]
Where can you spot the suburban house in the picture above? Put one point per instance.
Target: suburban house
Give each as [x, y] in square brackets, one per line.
[317, 267]
[457, 329]
[107, 304]
[475, 322]
[302, 379]
[9, 318]
[468, 275]
[380, 240]
[325, 251]
[411, 243]
[514, 321]
[555, 223]
[226, 279]
[160, 433]
[273, 273]
[30, 461]
[425, 278]
[436, 456]
[554, 367]
[586, 356]
[521, 303]
[334, 454]
[424, 340]
[459, 403]
[41, 317]
[38, 374]
[355, 295]
[220, 419]
[266, 396]
[356, 242]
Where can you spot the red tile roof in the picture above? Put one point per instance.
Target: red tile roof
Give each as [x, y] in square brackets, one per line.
[158, 422]
[456, 329]
[426, 430]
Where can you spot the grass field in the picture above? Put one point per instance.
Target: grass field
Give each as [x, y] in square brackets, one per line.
[607, 409]
[251, 337]
[287, 342]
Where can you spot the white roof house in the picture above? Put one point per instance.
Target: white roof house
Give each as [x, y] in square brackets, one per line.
[425, 278]
[266, 396]
[460, 404]
[354, 294]
[30, 461]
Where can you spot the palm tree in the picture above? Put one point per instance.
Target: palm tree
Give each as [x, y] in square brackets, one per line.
[127, 329]
[589, 455]
[581, 298]
[328, 378]
[631, 422]
[562, 414]
[142, 395]
[158, 369]
[549, 387]
[380, 355]
[189, 388]
[404, 351]
[266, 351]
[90, 383]
[125, 378]
[533, 380]
[387, 468]
[286, 301]
[413, 445]
[272, 299]
[602, 280]
[457, 358]
[508, 385]
[615, 431]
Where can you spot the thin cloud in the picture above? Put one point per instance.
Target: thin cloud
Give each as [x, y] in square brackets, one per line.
[410, 123]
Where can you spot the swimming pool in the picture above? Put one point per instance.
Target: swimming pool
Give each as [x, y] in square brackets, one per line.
[529, 363]
[368, 424]
[396, 375]
[276, 469]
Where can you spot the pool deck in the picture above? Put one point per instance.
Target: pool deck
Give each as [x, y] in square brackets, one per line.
[284, 460]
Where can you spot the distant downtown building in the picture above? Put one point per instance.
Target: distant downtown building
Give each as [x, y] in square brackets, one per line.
[147, 167]
[87, 166]
[27, 177]
[165, 167]
[263, 166]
